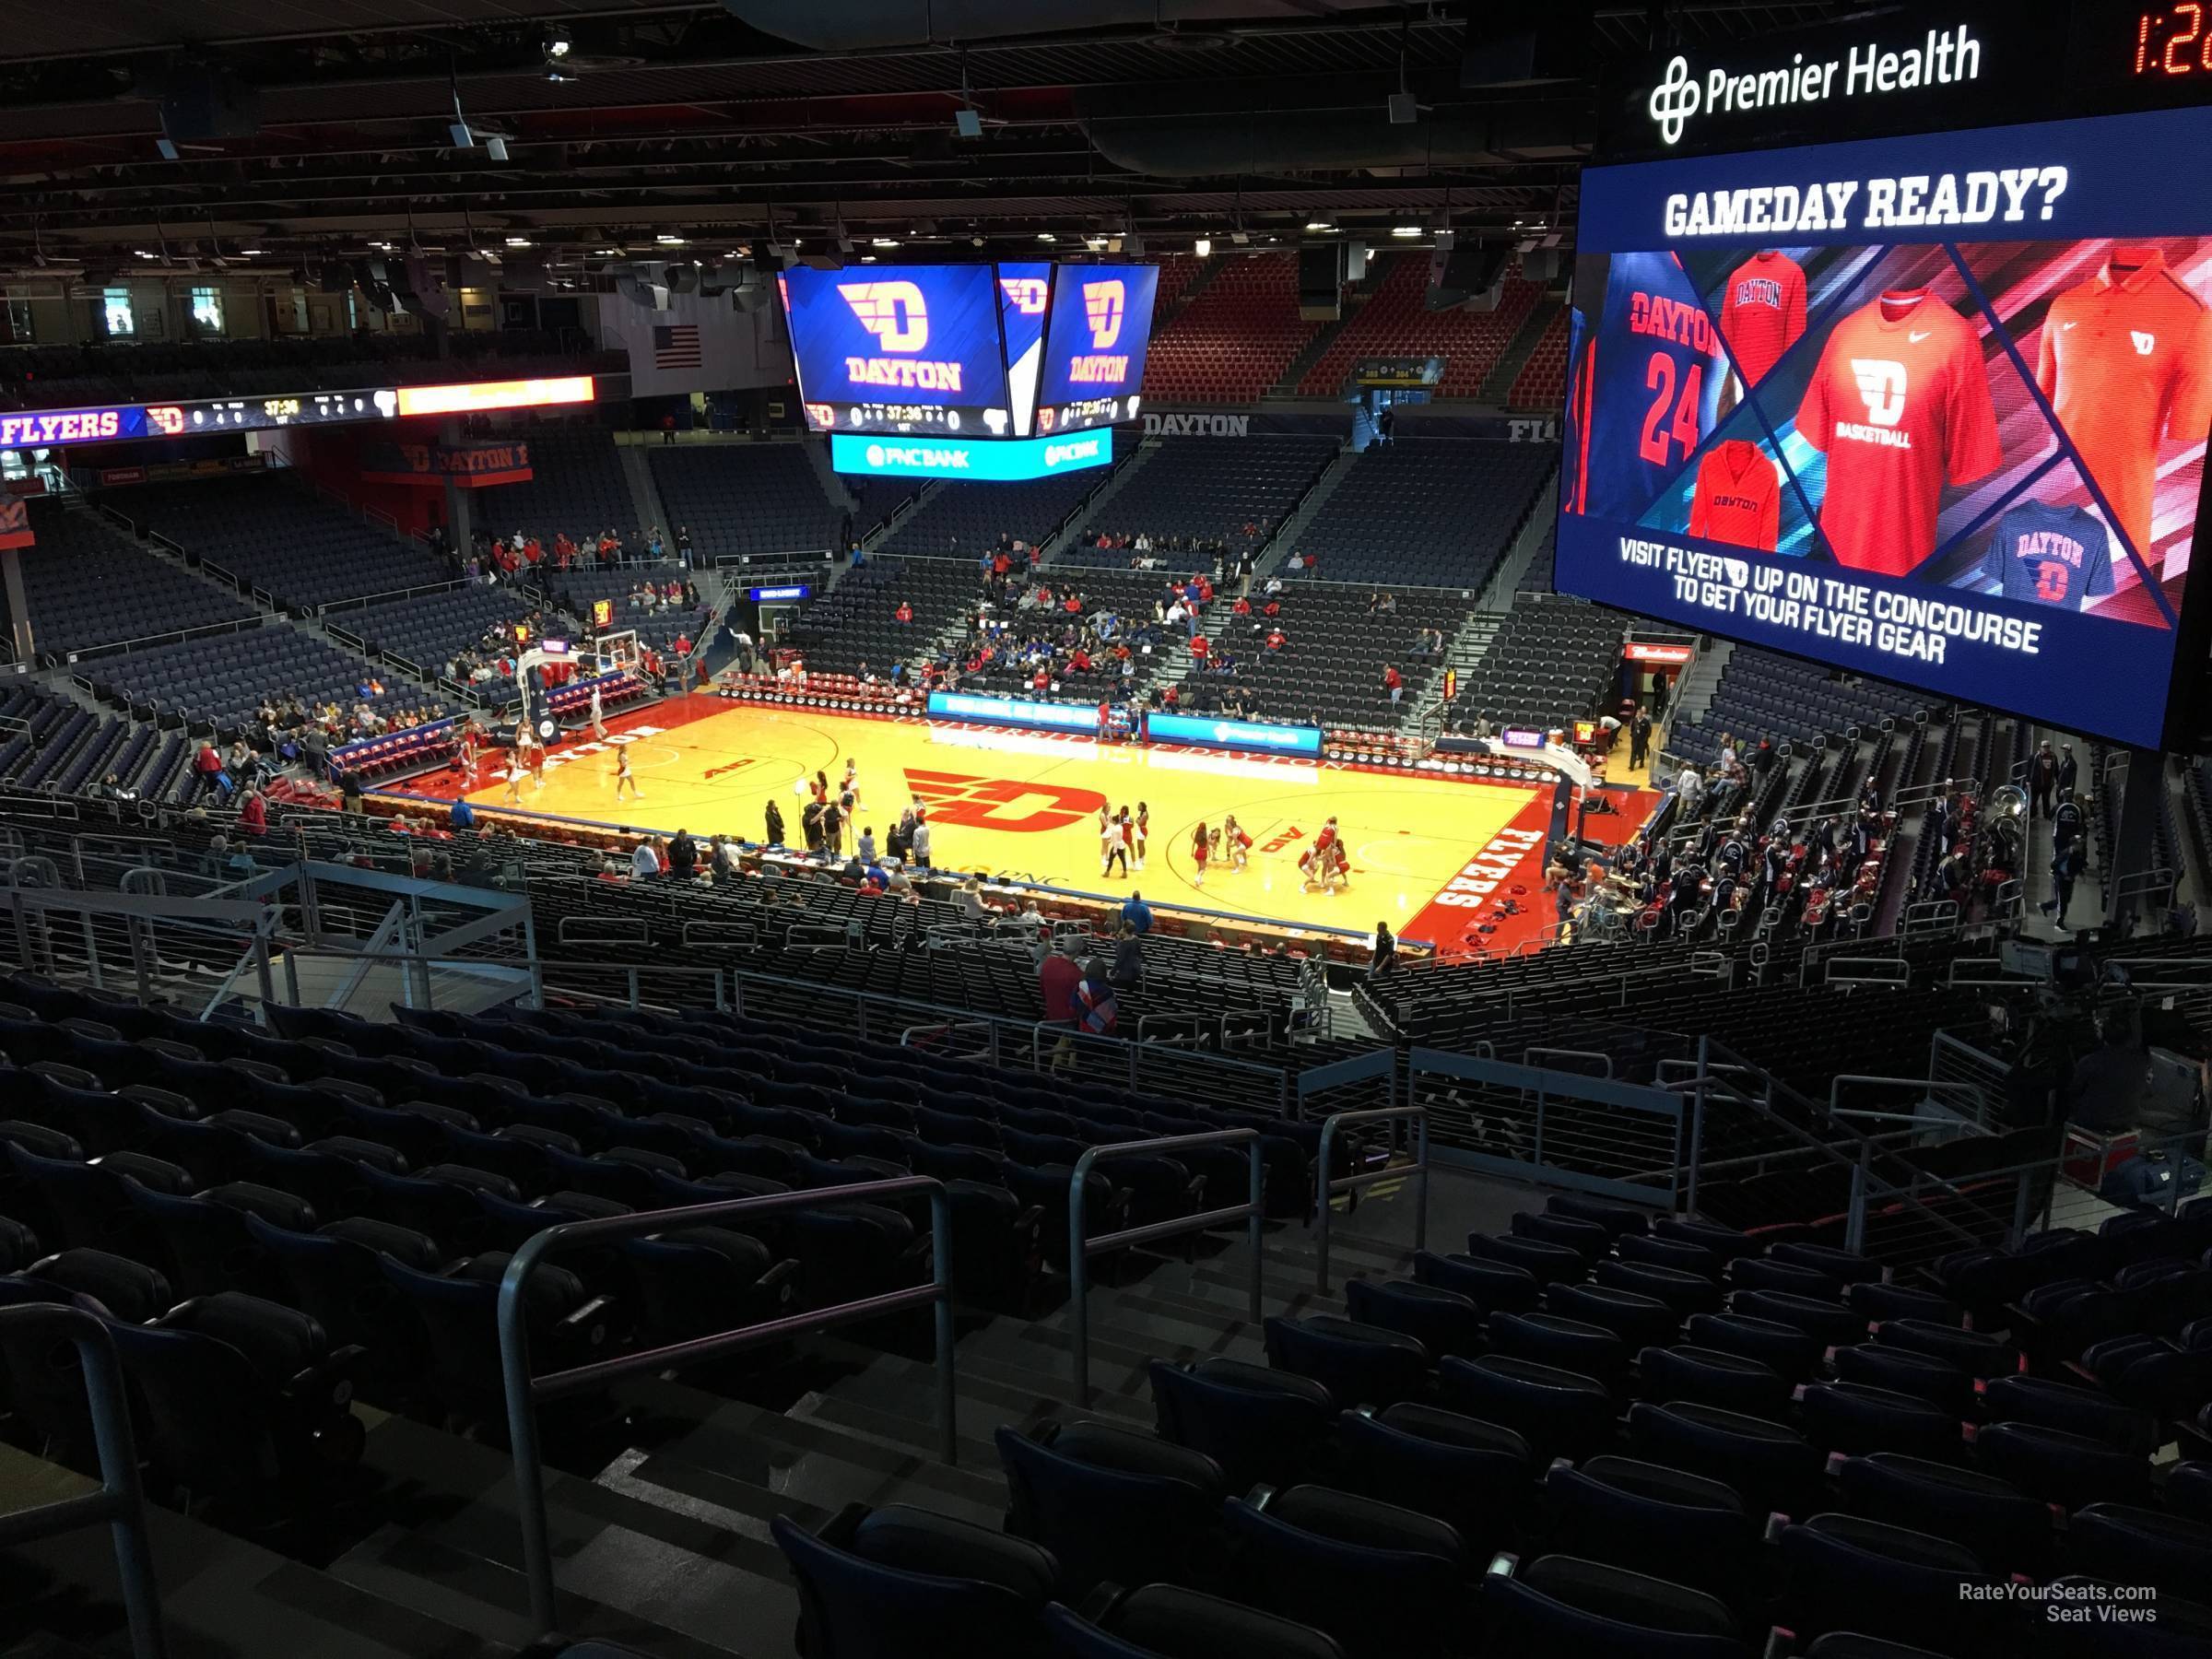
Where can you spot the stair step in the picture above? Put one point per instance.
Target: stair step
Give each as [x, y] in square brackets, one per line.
[823, 1465]
[636, 1569]
[218, 1594]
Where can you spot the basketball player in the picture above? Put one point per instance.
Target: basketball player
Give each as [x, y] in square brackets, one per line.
[624, 776]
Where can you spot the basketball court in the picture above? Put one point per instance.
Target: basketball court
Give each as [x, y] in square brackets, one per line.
[1026, 806]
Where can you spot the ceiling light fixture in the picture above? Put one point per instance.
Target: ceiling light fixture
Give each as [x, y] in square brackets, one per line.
[1405, 229]
[669, 242]
[1203, 247]
[1046, 236]
[1319, 225]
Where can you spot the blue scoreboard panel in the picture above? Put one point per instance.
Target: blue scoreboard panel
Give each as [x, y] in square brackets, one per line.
[899, 348]
[1094, 346]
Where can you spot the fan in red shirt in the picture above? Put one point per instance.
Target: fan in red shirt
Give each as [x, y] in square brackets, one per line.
[1199, 649]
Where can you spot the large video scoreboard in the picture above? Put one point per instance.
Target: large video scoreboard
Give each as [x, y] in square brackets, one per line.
[1931, 406]
[977, 371]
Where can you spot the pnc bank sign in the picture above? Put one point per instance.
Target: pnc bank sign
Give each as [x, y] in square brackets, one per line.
[1684, 95]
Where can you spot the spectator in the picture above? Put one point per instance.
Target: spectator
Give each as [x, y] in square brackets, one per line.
[775, 824]
[683, 546]
[253, 813]
[1128, 958]
[683, 856]
[968, 898]
[919, 845]
[2069, 770]
[1640, 738]
[1096, 1014]
[1385, 951]
[463, 815]
[864, 849]
[1394, 682]
[2042, 781]
[1137, 915]
[2066, 868]
[1058, 979]
[723, 859]
[2067, 821]
[207, 777]
[643, 861]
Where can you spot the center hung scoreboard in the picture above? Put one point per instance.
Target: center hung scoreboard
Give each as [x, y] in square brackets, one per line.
[1928, 402]
[996, 371]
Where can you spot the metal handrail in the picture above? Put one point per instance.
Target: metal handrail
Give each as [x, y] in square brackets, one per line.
[120, 1501]
[524, 1391]
[1325, 1189]
[1081, 1249]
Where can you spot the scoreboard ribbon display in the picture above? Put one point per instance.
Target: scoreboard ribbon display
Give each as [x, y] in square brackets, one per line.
[1928, 409]
[891, 348]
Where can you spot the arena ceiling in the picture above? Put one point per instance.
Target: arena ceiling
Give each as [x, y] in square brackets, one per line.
[278, 131]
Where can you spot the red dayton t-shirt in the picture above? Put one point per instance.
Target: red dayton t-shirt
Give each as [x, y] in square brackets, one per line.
[1738, 497]
[1901, 402]
[1762, 312]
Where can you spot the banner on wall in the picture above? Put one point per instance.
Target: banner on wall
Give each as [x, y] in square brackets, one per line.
[469, 466]
[15, 522]
[1414, 421]
[701, 343]
[206, 466]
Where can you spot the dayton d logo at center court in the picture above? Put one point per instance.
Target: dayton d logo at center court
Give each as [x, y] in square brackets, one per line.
[977, 803]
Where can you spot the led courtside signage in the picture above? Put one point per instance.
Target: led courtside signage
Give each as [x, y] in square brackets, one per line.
[1929, 408]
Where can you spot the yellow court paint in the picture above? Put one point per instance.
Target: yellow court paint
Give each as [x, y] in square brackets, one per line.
[1026, 805]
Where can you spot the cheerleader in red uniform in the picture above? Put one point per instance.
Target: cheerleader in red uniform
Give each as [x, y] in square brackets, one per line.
[1235, 845]
[1200, 848]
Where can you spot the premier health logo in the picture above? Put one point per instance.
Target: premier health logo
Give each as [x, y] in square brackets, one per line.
[1674, 100]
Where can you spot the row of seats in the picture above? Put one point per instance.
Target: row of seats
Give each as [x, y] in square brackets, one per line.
[747, 498]
[221, 679]
[86, 584]
[278, 535]
[1593, 1434]
[1426, 512]
[1395, 321]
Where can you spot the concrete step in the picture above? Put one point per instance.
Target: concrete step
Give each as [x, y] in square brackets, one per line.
[220, 1593]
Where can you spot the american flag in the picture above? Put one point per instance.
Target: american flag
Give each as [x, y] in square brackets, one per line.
[676, 347]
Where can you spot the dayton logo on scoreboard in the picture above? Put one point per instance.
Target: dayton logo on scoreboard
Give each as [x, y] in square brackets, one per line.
[976, 802]
[1104, 306]
[895, 313]
[1025, 294]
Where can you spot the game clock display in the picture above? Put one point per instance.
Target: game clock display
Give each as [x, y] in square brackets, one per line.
[1931, 409]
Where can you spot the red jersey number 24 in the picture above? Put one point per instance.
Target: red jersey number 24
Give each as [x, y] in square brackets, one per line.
[1670, 418]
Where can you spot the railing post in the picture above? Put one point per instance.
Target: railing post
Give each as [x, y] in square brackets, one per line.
[1421, 1214]
[1255, 1227]
[1854, 1221]
[1322, 1207]
[1078, 1291]
[1697, 1124]
[521, 1436]
[940, 1267]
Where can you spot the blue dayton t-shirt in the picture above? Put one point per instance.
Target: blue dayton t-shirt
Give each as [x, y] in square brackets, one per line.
[2051, 555]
